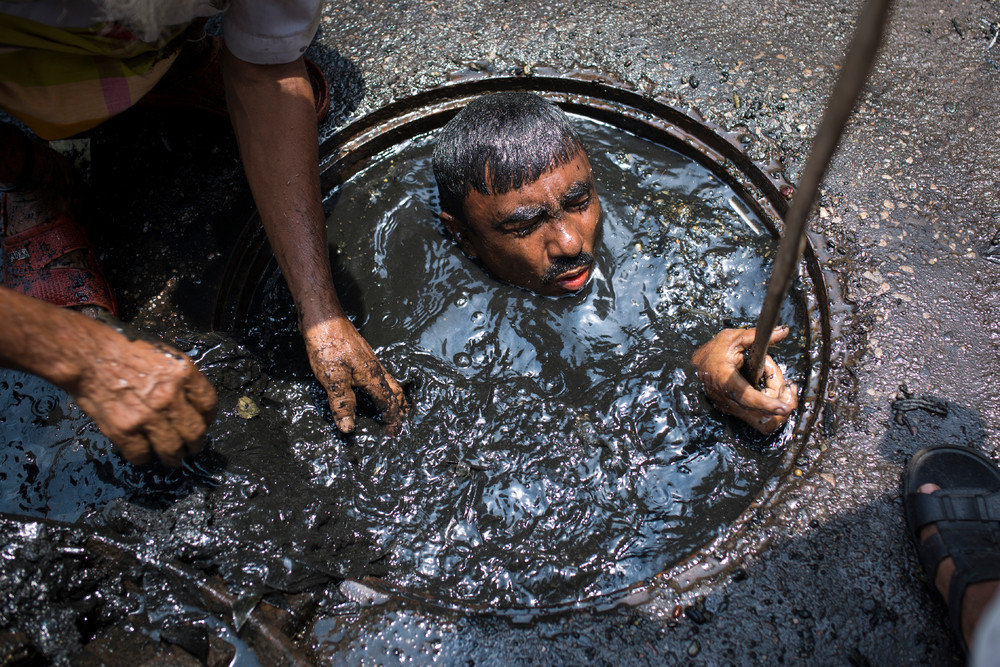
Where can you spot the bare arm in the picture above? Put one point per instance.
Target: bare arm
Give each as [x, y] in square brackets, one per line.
[147, 399]
[275, 121]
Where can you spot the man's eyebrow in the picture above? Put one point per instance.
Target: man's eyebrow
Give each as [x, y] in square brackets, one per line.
[578, 189]
[527, 212]
[522, 214]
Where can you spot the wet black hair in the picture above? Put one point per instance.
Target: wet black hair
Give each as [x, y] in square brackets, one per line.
[515, 136]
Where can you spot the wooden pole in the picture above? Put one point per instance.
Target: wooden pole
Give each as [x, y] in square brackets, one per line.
[857, 65]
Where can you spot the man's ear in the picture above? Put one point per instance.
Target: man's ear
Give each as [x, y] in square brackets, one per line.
[459, 231]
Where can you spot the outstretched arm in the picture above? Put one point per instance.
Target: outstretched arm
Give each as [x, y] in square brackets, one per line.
[719, 361]
[147, 399]
[274, 117]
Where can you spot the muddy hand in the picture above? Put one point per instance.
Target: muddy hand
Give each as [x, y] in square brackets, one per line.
[719, 361]
[147, 399]
[343, 360]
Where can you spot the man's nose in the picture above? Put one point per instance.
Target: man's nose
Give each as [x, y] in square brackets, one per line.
[565, 239]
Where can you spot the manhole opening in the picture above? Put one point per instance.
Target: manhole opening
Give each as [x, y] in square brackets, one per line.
[559, 452]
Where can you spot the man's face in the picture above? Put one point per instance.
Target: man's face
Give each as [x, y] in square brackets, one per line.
[540, 236]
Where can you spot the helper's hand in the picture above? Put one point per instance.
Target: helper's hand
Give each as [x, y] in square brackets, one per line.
[147, 399]
[719, 361]
[342, 360]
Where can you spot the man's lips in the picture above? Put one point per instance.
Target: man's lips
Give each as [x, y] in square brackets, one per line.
[574, 280]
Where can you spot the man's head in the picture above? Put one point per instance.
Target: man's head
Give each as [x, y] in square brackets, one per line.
[517, 192]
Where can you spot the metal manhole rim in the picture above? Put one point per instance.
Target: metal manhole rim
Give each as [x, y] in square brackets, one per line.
[352, 147]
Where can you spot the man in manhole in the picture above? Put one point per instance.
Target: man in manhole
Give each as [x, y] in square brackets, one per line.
[518, 196]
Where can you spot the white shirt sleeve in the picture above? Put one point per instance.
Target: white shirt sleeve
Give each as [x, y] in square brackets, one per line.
[270, 32]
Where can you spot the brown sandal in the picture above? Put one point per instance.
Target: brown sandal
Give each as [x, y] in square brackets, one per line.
[27, 255]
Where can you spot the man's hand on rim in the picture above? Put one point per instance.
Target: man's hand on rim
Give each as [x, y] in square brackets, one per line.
[719, 361]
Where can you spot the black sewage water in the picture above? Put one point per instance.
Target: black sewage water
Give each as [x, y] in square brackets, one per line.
[556, 449]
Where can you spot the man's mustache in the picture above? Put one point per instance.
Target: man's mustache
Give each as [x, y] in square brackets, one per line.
[563, 264]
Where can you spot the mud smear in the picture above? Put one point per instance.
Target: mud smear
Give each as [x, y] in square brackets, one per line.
[556, 449]
[156, 553]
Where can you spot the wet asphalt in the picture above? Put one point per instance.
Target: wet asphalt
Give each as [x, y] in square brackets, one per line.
[908, 213]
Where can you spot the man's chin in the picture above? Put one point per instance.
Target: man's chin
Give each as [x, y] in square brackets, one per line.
[568, 283]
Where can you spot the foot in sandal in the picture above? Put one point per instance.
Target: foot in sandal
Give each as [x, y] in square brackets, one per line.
[953, 510]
